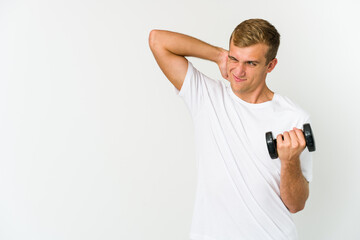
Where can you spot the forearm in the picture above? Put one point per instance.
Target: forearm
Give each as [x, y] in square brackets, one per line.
[184, 45]
[294, 189]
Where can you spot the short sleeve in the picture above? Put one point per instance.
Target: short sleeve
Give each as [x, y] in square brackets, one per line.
[193, 88]
[306, 160]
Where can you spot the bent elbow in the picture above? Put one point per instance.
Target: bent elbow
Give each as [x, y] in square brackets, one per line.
[152, 37]
[296, 209]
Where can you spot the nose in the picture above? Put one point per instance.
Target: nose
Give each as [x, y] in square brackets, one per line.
[240, 70]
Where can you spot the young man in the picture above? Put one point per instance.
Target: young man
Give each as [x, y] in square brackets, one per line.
[241, 193]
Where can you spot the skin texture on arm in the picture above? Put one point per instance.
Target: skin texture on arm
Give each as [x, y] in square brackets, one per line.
[171, 48]
[294, 189]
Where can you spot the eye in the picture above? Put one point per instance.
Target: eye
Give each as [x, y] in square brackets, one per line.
[232, 58]
[251, 63]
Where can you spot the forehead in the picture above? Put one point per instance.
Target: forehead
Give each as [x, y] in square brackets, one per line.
[254, 52]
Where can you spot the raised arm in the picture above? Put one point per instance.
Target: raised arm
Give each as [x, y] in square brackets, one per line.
[171, 48]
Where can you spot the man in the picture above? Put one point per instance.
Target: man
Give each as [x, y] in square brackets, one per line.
[242, 193]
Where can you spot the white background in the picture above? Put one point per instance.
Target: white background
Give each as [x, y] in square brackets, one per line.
[95, 144]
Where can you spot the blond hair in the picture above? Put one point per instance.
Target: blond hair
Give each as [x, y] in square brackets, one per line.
[254, 31]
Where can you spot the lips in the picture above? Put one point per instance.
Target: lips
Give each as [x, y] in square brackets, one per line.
[239, 79]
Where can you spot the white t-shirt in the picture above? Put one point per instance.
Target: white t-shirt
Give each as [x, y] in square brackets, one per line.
[238, 185]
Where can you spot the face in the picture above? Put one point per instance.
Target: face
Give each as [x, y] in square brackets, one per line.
[247, 68]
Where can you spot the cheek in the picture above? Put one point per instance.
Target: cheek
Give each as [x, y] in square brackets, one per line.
[264, 72]
[258, 72]
[258, 75]
[230, 67]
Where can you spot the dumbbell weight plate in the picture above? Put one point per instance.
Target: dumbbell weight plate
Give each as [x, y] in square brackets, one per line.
[309, 137]
[271, 145]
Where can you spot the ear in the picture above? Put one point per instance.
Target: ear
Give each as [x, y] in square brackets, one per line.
[272, 65]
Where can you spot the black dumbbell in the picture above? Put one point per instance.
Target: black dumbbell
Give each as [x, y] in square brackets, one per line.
[272, 146]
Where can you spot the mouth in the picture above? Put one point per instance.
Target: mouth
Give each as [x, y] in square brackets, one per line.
[239, 79]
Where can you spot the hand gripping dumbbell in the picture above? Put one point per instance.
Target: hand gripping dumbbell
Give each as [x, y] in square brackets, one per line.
[272, 146]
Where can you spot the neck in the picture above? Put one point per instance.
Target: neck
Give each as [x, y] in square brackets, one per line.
[258, 96]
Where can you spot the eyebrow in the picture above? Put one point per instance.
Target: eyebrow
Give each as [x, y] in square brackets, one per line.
[231, 57]
[254, 61]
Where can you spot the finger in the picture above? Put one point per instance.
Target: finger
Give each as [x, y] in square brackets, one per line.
[300, 135]
[279, 138]
[293, 138]
[286, 137]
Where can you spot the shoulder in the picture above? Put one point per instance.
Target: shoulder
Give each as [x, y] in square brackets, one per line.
[284, 103]
[198, 85]
[204, 79]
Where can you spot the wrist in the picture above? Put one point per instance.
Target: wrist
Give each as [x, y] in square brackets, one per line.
[293, 163]
[221, 55]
